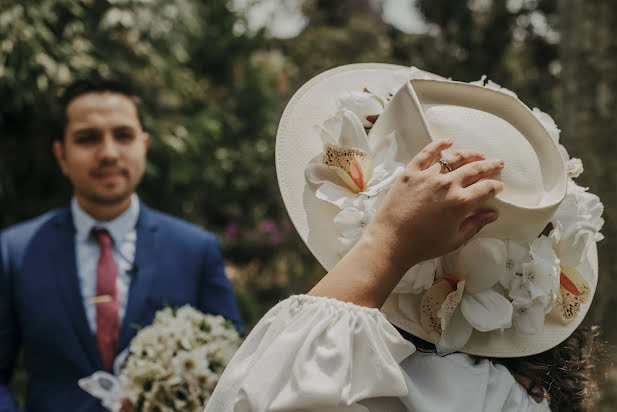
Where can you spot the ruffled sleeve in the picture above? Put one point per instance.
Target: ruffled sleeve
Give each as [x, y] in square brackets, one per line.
[314, 353]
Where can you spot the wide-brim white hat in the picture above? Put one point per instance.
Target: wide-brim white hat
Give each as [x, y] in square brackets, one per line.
[420, 110]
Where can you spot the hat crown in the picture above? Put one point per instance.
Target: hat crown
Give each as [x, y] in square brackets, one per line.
[494, 123]
[497, 139]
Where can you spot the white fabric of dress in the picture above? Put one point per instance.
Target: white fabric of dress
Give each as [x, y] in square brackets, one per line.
[320, 354]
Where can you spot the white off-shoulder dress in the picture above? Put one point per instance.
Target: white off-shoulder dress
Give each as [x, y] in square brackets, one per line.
[320, 354]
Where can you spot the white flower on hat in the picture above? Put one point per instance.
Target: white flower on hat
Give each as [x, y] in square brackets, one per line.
[351, 164]
[476, 303]
[418, 278]
[535, 287]
[577, 223]
[517, 253]
[574, 166]
[366, 105]
[353, 220]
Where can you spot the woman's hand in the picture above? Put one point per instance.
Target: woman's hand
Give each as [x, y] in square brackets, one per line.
[431, 210]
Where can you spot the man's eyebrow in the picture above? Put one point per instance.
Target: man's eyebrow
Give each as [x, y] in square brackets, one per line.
[86, 130]
[124, 128]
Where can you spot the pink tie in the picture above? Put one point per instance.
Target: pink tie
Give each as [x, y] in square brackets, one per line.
[107, 318]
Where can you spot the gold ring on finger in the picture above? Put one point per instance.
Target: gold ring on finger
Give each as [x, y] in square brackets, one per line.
[445, 163]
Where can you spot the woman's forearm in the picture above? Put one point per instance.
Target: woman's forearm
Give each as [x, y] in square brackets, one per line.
[367, 274]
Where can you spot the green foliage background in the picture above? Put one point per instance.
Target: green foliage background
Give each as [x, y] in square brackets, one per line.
[213, 92]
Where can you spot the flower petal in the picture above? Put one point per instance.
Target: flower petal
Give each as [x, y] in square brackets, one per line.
[482, 262]
[580, 210]
[352, 131]
[569, 304]
[363, 104]
[456, 334]
[318, 173]
[418, 278]
[330, 130]
[543, 270]
[351, 221]
[528, 318]
[517, 254]
[336, 195]
[570, 245]
[354, 166]
[574, 167]
[451, 303]
[384, 176]
[430, 306]
[487, 310]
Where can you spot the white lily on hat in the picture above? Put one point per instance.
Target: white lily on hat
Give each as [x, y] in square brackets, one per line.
[577, 223]
[352, 167]
[475, 303]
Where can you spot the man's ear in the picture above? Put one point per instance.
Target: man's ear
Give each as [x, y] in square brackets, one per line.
[58, 149]
[146, 141]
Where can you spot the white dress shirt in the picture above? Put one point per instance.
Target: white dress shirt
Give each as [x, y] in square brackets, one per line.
[124, 235]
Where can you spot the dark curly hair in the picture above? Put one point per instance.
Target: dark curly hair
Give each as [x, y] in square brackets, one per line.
[564, 373]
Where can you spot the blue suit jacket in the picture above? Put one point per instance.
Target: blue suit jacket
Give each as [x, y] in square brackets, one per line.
[41, 307]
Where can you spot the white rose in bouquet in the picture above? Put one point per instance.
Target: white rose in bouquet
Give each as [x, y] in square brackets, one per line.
[172, 365]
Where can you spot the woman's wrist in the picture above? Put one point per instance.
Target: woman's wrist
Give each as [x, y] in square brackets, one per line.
[368, 273]
[382, 244]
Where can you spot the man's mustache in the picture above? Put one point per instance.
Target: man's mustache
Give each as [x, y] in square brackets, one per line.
[105, 169]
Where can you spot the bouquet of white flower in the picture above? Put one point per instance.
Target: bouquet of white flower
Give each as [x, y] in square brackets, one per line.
[172, 365]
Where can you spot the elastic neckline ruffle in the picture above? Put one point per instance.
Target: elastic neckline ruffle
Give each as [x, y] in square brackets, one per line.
[299, 300]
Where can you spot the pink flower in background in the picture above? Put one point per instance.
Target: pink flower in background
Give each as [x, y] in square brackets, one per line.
[231, 231]
[267, 226]
[276, 239]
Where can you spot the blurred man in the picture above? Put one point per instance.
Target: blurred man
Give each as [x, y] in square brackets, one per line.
[74, 281]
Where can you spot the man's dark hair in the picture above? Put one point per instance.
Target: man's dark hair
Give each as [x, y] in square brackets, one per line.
[95, 84]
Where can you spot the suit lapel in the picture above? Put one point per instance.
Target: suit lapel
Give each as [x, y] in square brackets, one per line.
[63, 253]
[145, 259]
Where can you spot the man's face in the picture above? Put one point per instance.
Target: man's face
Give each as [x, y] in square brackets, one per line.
[104, 148]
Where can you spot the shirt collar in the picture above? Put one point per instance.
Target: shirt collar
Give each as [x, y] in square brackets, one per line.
[118, 228]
